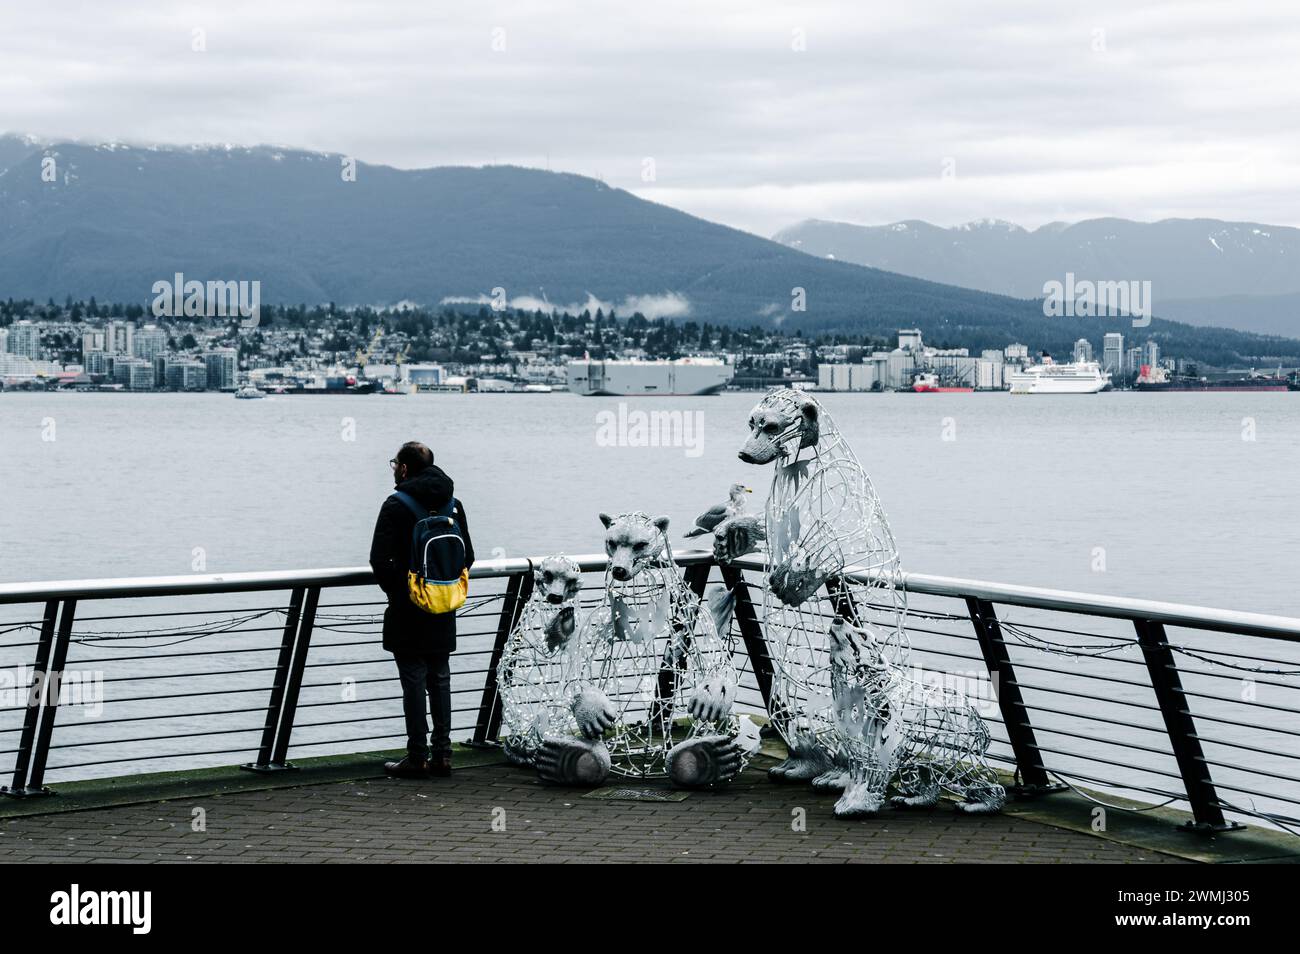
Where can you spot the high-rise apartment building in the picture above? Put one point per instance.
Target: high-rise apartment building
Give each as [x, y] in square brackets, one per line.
[1112, 352]
[25, 339]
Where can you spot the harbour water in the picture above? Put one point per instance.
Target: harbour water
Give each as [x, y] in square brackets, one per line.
[1186, 498]
[1182, 497]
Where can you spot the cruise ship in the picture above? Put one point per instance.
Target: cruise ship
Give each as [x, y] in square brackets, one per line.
[1083, 377]
[685, 376]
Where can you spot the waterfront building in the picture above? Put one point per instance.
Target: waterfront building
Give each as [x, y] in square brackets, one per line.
[91, 341]
[222, 366]
[4, 340]
[1133, 359]
[895, 369]
[186, 374]
[859, 376]
[909, 339]
[1151, 354]
[97, 362]
[150, 343]
[15, 367]
[989, 375]
[25, 340]
[1016, 353]
[424, 375]
[1112, 352]
[119, 337]
[134, 374]
[1082, 351]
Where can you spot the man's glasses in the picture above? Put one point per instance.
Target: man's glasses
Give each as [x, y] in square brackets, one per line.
[393, 464]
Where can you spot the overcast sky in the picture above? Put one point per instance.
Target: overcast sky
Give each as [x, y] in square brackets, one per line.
[755, 114]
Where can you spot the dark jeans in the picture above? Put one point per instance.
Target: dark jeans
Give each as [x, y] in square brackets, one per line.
[422, 673]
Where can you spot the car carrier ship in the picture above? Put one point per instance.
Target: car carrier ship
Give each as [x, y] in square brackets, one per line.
[685, 376]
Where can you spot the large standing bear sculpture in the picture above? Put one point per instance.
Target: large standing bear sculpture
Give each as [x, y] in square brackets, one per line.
[644, 687]
[851, 715]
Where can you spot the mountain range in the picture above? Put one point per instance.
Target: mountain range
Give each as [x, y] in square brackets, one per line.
[110, 220]
[1203, 271]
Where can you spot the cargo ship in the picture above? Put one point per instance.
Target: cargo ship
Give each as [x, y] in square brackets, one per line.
[928, 383]
[1158, 379]
[339, 384]
[685, 376]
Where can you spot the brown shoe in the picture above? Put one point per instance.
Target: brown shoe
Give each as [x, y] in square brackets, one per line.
[407, 768]
[440, 766]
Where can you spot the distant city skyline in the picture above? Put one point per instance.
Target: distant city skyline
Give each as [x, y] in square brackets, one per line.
[754, 115]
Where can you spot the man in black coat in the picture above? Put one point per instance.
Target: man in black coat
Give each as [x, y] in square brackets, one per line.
[420, 642]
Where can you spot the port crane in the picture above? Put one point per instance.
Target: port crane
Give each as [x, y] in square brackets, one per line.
[363, 357]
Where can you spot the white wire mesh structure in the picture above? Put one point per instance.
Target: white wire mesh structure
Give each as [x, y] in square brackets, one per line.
[648, 662]
[841, 700]
[655, 653]
[894, 728]
[540, 665]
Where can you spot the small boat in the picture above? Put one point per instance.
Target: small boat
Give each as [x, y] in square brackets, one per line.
[248, 393]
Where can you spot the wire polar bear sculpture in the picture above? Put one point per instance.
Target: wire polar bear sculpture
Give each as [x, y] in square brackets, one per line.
[644, 687]
[851, 715]
[540, 662]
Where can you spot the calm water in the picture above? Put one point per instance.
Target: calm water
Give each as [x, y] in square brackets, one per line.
[1183, 508]
[1021, 490]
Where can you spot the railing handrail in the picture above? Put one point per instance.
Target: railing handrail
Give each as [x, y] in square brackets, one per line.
[195, 583]
[1034, 597]
[1117, 607]
[1089, 604]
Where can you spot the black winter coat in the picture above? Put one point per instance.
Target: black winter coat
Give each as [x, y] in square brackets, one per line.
[407, 628]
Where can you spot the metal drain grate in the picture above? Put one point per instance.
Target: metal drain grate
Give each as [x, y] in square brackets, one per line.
[638, 794]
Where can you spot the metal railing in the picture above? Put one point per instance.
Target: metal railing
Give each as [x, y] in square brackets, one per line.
[1105, 692]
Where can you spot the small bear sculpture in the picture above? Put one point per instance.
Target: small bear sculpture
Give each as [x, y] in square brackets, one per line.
[538, 665]
[653, 693]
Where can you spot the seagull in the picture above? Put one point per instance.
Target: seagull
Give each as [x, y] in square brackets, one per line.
[707, 521]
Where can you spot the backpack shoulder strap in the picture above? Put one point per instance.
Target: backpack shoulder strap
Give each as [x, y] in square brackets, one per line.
[411, 504]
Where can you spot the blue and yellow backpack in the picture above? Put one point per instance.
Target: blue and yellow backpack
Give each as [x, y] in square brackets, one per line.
[438, 581]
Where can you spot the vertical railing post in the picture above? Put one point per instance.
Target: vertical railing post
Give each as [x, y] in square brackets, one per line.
[276, 703]
[302, 645]
[1015, 714]
[1180, 725]
[751, 632]
[519, 588]
[697, 577]
[35, 703]
[53, 683]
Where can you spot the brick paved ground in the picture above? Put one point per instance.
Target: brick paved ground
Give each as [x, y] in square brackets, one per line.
[452, 820]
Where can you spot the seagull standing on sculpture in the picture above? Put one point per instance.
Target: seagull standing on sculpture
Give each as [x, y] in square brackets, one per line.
[712, 518]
